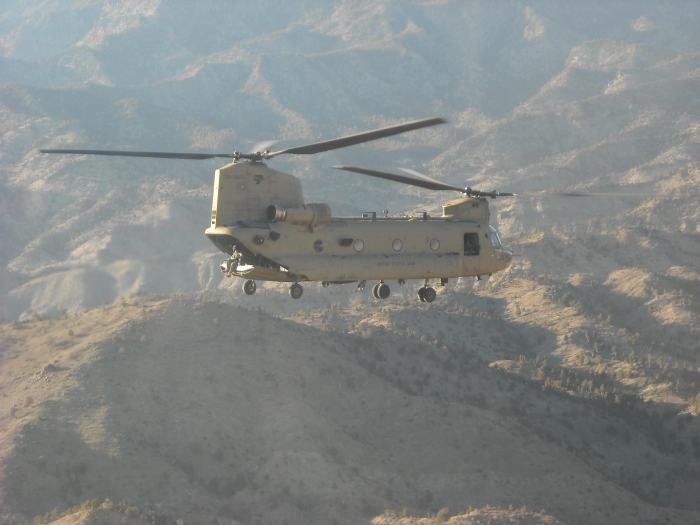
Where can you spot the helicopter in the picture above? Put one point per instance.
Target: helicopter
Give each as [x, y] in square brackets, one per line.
[260, 219]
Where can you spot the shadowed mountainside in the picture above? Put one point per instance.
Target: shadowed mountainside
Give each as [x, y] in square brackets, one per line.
[199, 409]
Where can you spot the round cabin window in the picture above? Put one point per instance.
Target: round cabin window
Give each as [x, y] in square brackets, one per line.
[434, 245]
[359, 245]
[318, 245]
[397, 245]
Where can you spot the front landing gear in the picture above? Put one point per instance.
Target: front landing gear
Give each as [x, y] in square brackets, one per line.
[296, 291]
[249, 287]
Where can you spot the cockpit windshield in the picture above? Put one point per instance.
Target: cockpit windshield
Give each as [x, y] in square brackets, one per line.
[495, 239]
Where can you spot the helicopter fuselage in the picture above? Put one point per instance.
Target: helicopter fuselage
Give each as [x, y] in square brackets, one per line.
[260, 219]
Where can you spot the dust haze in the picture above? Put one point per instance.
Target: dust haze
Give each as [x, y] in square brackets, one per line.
[141, 386]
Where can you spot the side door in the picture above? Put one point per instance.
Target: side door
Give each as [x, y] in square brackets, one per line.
[472, 249]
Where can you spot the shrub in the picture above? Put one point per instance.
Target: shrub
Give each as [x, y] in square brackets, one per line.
[695, 403]
[443, 515]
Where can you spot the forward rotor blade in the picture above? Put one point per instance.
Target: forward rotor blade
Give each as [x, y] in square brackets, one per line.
[431, 184]
[154, 154]
[264, 146]
[581, 194]
[532, 195]
[359, 138]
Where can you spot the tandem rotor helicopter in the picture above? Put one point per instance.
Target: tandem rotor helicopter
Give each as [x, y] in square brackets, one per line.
[259, 218]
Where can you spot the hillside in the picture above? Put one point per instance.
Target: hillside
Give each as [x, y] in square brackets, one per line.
[200, 409]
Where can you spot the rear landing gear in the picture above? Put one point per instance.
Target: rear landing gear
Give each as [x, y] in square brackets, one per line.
[249, 287]
[381, 290]
[296, 291]
[427, 294]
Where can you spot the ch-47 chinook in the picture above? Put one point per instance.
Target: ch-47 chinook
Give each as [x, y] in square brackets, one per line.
[259, 218]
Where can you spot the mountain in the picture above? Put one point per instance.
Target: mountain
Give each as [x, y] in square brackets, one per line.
[568, 383]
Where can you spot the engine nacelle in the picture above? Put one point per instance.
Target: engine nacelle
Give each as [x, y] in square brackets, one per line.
[474, 209]
[312, 214]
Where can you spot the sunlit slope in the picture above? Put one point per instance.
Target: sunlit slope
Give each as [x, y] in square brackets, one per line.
[537, 99]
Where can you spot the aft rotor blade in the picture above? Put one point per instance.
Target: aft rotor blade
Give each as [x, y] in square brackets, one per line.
[154, 154]
[420, 175]
[359, 138]
[427, 184]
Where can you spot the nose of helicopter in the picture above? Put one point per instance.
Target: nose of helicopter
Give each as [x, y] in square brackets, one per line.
[508, 256]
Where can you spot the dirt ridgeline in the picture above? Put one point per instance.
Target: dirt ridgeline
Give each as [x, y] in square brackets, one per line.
[485, 516]
[98, 517]
[104, 514]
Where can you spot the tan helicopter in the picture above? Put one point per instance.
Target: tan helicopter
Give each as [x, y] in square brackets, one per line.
[260, 219]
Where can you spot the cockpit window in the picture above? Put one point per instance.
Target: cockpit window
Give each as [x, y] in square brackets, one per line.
[495, 239]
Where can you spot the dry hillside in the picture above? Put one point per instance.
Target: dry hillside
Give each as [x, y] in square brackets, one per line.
[202, 410]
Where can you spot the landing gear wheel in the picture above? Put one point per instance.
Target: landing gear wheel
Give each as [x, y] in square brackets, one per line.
[429, 294]
[296, 291]
[383, 291]
[374, 290]
[249, 287]
[421, 294]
